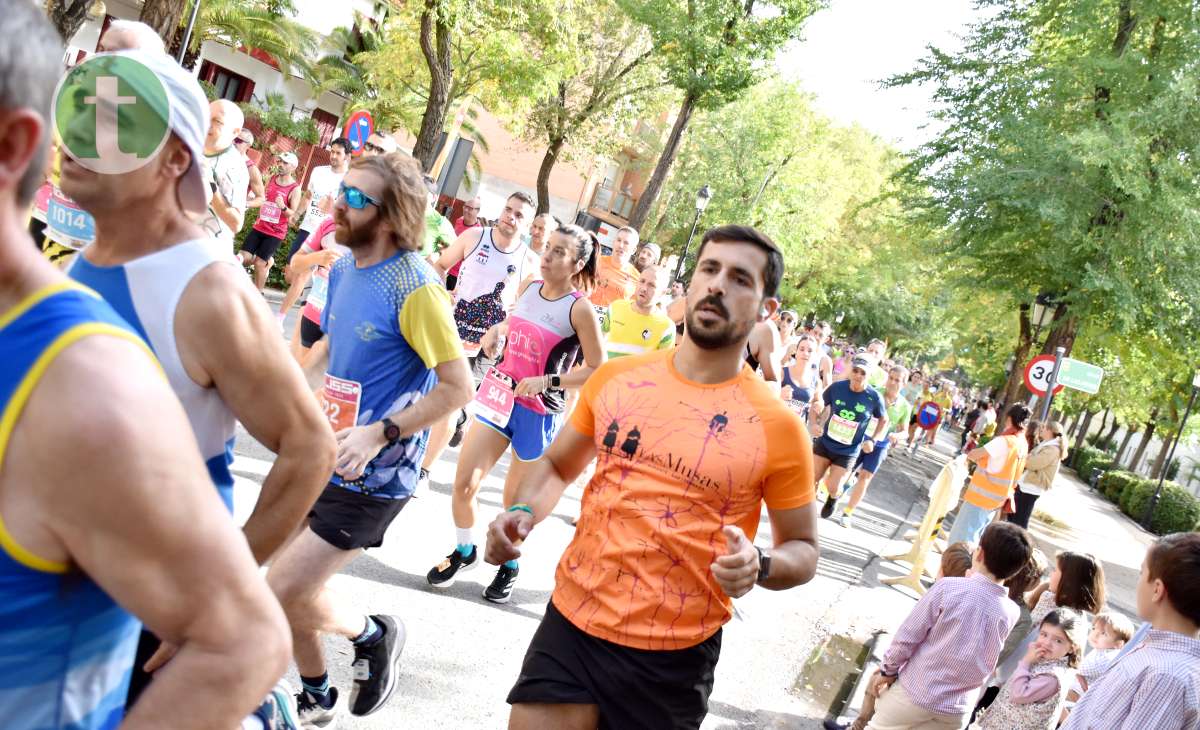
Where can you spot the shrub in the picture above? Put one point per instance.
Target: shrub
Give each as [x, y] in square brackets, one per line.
[1088, 458]
[1177, 509]
[275, 114]
[1115, 483]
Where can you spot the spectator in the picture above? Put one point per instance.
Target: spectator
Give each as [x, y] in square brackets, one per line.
[1041, 467]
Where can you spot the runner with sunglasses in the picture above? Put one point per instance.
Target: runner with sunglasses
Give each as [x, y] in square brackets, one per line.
[867, 465]
[522, 400]
[392, 365]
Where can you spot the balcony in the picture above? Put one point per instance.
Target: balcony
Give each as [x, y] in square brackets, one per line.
[606, 201]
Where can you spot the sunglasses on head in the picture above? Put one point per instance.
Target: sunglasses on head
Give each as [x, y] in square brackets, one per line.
[356, 198]
[239, 140]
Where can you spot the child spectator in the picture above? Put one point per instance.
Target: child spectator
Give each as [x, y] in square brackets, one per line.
[1018, 585]
[956, 561]
[1110, 632]
[1157, 684]
[948, 645]
[1032, 698]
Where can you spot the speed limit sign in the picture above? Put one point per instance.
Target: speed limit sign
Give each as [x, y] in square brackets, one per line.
[1037, 375]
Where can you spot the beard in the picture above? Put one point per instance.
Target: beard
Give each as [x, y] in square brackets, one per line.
[719, 335]
[355, 237]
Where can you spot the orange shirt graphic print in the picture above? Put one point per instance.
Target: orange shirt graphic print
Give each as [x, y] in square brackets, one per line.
[677, 461]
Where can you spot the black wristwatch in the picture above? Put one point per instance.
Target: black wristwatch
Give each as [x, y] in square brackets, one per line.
[556, 381]
[764, 565]
[391, 431]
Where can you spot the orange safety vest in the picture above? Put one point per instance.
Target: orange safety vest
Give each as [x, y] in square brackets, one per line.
[988, 490]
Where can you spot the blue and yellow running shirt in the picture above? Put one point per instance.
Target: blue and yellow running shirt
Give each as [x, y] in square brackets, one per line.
[389, 325]
[66, 648]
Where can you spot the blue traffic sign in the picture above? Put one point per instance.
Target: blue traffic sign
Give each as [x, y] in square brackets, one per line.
[358, 127]
[928, 415]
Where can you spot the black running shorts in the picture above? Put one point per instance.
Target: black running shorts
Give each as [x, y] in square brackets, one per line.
[842, 460]
[349, 520]
[261, 245]
[310, 332]
[634, 688]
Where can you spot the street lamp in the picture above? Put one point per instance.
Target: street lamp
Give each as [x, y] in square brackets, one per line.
[1043, 312]
[702, 199]
[1146, 518]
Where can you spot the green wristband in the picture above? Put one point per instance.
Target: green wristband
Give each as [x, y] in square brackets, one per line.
[522, 507]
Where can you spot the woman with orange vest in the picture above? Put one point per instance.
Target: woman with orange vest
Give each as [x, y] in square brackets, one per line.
[998, 465]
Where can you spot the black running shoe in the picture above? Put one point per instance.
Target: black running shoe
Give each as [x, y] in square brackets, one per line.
[457, 438]
[313, 714]
[442, 574]
[376, 667]
[500, 591]
[827, 510]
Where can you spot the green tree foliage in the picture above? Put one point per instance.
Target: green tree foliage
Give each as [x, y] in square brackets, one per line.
[713, 51]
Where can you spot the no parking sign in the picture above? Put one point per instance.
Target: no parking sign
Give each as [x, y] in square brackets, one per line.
[928, 415]
[358, 127]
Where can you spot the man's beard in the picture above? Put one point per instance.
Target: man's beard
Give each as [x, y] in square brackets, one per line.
[356, 237]
[637, 264]
[718, 336]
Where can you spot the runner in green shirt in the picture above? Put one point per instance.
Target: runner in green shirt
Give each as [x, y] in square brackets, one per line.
[899, 411]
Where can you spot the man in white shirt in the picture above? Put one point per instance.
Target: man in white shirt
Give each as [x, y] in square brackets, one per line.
[225, 173]
[321, 191]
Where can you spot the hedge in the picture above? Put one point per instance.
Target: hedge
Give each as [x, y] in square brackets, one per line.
[1177, 509]
[1088, 458]
[1114, 483]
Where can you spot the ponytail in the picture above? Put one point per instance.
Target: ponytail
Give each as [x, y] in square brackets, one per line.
[587, 249]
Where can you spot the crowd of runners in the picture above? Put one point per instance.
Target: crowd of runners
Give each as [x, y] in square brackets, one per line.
[128, 595]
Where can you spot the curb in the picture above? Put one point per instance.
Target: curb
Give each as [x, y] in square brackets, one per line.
[877, 648]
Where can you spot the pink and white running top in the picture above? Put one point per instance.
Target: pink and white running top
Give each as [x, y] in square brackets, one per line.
[541, 341]
[320, 239]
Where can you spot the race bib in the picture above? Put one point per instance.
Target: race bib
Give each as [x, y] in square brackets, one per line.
[342, 398]
[319, 293]
[270, 212]
[495, 398]
[842, 430]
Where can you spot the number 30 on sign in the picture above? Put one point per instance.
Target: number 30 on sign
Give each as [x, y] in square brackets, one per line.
[1037, 375]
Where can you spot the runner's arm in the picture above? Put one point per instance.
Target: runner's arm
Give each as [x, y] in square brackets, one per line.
[587, 327]
[566, 458]
[765, 343]
[826, 371]
[232, 217]
[293, 203]
[794, 557]
[457, 251]
[316, 362]
[880, 428]
[677, 309]
[256, 182]
[132, 505]
[246, 360]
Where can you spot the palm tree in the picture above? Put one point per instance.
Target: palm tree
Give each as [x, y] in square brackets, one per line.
[258, 24]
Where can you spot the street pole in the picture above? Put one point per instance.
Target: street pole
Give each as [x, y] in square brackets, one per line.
[1146, 518]
[187, 34]
[1049, 397]
[686, 246]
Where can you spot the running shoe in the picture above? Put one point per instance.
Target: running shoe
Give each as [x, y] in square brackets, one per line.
[313, 715]
[422, 482]
[827, 510]
[845, 520]
[457, 438]
[442, 575]
[376, 667]
[500, 591]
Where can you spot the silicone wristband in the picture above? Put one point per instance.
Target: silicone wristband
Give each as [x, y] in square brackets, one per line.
[522, 507]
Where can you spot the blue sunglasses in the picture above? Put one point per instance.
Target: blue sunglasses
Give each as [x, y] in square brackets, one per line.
[356, 198]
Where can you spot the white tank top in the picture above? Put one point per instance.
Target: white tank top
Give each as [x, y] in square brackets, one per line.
[487, 286]
[146, 292]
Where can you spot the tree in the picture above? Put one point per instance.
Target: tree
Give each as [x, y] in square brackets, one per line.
[438, 54]
[254, 24]
[1067, 162]
[68, 16]
[713, 51]
[165, 17]
[589, 109]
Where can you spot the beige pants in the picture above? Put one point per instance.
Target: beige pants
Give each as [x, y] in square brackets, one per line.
[896, 711]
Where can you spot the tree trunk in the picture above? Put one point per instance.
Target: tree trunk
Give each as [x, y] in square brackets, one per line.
[435, 47]
[1147, 435]
[543, 177]
[1133, 430]
[1161, 459]
[1112, 431]
[1063, 330]
[1081, 437]
[164, 17]
[646, 203]
[1016, 378]
[662, 218]
[67, 17]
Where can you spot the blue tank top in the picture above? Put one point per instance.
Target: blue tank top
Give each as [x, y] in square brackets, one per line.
[66, 648]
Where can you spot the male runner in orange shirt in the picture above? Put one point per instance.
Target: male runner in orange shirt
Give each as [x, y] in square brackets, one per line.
[688, 443]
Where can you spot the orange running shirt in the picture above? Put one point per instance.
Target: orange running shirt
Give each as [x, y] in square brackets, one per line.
[677, 462]
[614, 280]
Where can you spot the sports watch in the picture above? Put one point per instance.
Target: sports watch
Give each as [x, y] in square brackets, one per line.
[556, 381]
[764, 565]
[391, 431]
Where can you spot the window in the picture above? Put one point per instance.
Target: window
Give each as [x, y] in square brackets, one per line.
[326, 124]
[228, 85]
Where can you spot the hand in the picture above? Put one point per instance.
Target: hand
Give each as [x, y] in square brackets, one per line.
[736, 571]
[161, 656]
[785, 392]
[879, 683]
[279, 199]
[356, 447]
[327, 257]
[505, 535]
[325, 204]
[533, 386]
[1035, 654]
[868, 446]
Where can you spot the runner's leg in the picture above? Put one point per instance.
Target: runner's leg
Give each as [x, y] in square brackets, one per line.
[860, 489]
[261, 269]
[299, 280]
[566, 717]
[481, 449]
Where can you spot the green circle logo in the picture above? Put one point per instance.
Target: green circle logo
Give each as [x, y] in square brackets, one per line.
[112, 114]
